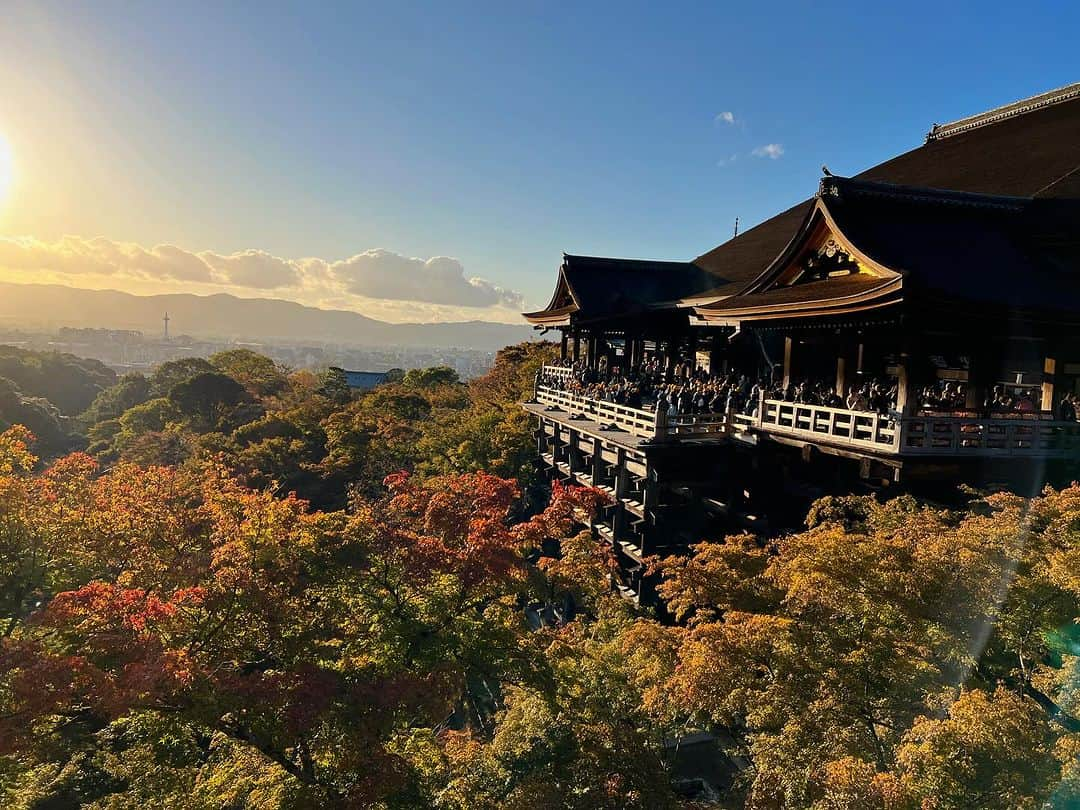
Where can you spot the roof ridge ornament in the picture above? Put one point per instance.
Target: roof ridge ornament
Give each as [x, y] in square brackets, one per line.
[941, 131]
[831, 187]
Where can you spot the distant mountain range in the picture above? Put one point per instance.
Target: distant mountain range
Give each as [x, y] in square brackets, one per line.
[50, 306]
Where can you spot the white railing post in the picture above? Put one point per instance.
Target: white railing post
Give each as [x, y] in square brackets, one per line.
[661, 421]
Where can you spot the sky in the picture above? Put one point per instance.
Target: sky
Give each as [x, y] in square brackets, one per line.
[432, 161]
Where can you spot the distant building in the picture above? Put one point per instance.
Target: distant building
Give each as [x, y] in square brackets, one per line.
[364, 380]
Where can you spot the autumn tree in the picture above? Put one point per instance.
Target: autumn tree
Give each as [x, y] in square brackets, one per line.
[180, 625]
[259, 375]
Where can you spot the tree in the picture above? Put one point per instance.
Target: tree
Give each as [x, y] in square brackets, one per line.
[257, 373]
[206, 398]
[39, 415]
[335, 386]
[183, 627]
[431, 377]
[130, 390]
[820, 653]
[169, 374]
[994, 749]
[70, 383]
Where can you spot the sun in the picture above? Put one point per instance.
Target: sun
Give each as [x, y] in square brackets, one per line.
[6, 169]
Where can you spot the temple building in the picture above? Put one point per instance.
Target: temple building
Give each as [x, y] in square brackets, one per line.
[916, 326]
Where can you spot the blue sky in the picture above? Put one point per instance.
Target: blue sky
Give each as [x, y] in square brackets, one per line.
[496, 134]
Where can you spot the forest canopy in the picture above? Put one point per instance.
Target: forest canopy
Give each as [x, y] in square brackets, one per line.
[252, 589]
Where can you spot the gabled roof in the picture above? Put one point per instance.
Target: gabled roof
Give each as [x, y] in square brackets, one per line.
[1028, 149]
[597, 287]
[1010, 253]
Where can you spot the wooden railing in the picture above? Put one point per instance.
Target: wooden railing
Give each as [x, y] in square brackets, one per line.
[633, 420]
[995, 436]
[638, 421]
[930, 435]
[698, 425]
[563, 373]
[862, 429]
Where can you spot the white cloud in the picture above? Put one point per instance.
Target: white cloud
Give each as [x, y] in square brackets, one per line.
[769, 150]
[252, 268]
[725, 117]
[381, 278]
[727, 161]
[439, 280]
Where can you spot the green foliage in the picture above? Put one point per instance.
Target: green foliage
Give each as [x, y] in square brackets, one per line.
[169, 375]
[260, 375]
[431, 377]
[206, 399]
[70, 383]
[129, 391]
[39, 415]
[335, 386]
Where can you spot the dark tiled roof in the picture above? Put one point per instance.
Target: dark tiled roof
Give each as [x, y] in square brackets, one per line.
[830, 290]
[1025, 154]
[1027, 149]
[940, 131]
[1023, 254]
[603, 286]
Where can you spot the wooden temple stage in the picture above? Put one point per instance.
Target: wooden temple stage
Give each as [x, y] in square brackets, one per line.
[954, 264]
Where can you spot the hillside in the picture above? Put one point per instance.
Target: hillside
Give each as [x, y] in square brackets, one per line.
[226, 316]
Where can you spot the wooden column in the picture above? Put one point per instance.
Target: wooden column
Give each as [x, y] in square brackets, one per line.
[562, 346]
[1049, 378]
[981, 376]
[597, 463]
[577, 346]
[715, 348]
[618, 520]
[789, 345]
[841, 376]
[651, 501]
[905, 393]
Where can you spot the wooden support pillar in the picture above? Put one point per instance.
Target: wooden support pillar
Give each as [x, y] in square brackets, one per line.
[556, 448]
[562, 345]
[980, 382]
[671, 353]
[841, 376]
[577, 346]
[597, 463]
[715, 350]
[618, 521]
[651, 502]
[622, 478]
[906, 399]
[789, 345]
[1049, 379]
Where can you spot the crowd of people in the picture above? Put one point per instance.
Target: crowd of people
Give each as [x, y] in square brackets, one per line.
[683, 388]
